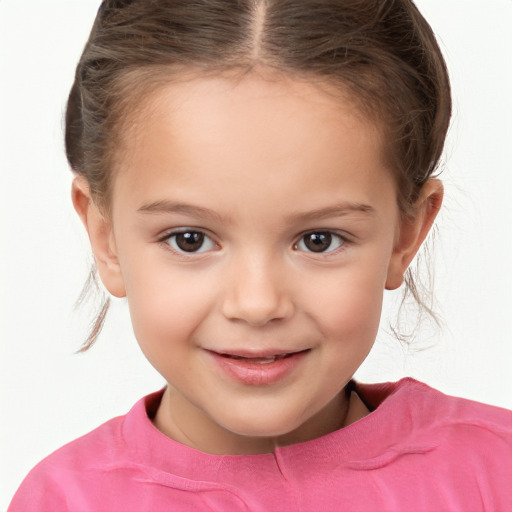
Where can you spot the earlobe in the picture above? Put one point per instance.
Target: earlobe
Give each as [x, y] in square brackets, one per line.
[101, 236]
[413, 231]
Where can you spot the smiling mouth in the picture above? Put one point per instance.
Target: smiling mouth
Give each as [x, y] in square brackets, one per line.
[260, 359]
[261, 368]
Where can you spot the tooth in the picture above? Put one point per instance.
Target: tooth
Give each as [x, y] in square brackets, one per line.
[258, 360]
[265, 360]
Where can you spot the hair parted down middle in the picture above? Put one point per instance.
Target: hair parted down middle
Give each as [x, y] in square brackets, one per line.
[382, 52]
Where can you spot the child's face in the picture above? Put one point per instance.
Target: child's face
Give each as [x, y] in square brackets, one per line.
[252, 219]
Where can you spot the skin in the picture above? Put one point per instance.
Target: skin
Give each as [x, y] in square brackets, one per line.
[254, 164]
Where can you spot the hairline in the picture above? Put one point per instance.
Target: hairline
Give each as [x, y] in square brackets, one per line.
[140, 85]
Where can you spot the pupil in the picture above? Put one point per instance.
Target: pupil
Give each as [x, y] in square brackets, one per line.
[190, 241]
[318, 242]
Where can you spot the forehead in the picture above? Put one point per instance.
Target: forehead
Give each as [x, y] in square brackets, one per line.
[228, 134]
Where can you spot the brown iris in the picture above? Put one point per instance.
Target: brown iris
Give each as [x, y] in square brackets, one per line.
[318, 242]
[190, 241]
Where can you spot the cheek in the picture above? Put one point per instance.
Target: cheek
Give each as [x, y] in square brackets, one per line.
[353, 313]
[349, 325]
[348, 305]
[165, 315]
[166, 305]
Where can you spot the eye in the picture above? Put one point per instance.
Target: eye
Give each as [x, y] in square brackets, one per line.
[320, 242]
[190, 241]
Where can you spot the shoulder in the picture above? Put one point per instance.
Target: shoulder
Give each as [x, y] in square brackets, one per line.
[459, 447]
[61, 475]
[461, 430]
[476, 431]
[430, 408]
[439, 410]
[417, 415]
[48, 484]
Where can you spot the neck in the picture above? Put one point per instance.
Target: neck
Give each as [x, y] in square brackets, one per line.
[186, 424]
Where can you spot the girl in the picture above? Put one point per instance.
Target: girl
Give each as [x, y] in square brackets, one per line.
[252, 176]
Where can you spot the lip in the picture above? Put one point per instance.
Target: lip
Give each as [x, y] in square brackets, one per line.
[249, 368]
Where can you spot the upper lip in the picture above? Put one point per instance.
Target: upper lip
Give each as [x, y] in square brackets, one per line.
[255, 354]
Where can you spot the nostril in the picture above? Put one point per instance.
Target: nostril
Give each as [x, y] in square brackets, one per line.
[258, 312]
[258, 291]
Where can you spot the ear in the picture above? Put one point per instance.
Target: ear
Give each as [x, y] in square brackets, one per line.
[101, 236]
[413, 231]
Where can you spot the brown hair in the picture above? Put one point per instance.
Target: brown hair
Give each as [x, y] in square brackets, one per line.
[382, 51]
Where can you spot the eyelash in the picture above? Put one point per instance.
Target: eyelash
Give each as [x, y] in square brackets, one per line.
[167, 239]
[171, 236]
[331, 235]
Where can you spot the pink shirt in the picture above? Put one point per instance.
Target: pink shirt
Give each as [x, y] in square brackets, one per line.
[419, 450]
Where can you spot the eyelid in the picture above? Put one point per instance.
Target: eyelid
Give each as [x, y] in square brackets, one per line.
[167, 235]
[335, 233]
[164, 235]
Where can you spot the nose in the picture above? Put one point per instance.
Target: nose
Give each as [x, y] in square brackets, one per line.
[256, 292]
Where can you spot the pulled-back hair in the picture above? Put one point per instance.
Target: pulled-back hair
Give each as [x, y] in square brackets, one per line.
[382, 52]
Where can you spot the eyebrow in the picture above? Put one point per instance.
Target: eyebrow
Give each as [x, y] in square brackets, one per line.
[337, 210]
[165, 206]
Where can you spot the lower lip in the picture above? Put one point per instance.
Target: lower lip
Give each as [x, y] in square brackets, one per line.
[258, 374]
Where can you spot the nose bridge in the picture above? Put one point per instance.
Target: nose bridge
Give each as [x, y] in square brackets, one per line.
[256, 291]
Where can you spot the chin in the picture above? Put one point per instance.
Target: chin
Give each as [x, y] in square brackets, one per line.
[263, 425]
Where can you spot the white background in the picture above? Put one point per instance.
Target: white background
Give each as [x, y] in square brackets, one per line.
[49, 395]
